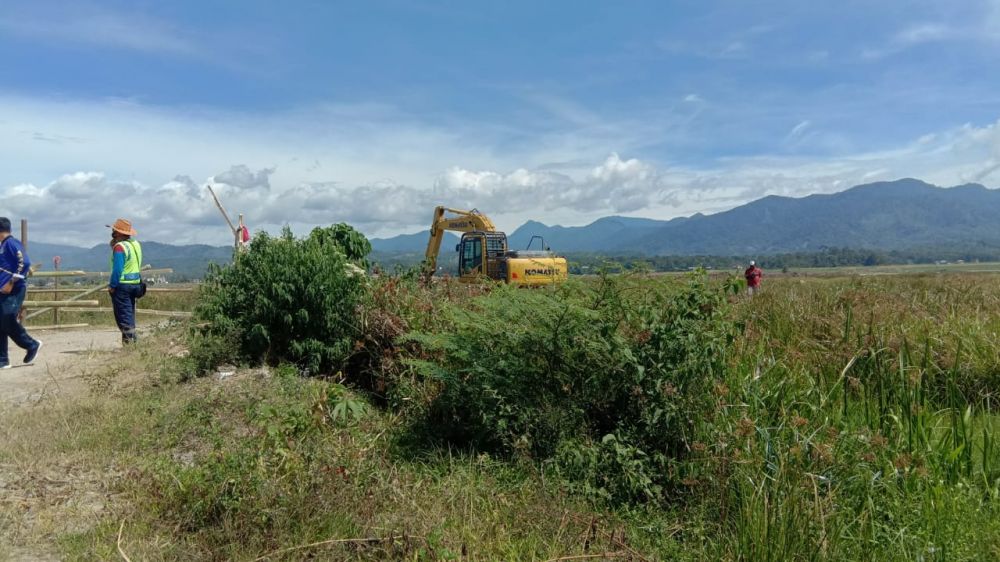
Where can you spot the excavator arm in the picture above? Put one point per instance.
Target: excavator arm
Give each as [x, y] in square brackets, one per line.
[458, 221]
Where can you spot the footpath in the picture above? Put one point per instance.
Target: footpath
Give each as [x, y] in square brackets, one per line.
[58, 366]
[40, 500]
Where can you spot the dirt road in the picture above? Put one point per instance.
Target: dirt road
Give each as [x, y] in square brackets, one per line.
[58, 366]
[42, 499]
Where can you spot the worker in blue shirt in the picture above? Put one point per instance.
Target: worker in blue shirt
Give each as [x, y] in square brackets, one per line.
[14, 267]
[125, 284]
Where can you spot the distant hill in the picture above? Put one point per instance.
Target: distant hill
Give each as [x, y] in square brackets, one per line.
[898, 215]
[895, 215]
[188, 261]
[411, 243]
[602, 235]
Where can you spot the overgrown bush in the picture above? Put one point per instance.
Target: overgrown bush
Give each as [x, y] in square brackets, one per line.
[605, 389]
[286, 299]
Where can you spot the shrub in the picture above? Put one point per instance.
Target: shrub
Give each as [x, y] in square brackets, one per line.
[344, 239]
[604, 389]
[286, 299]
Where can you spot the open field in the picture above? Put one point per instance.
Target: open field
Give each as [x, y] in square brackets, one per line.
[859, 270]
[982, 267]
[633, 417]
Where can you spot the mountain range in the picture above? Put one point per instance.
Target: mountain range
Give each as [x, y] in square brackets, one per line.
[896, 215]
[188, 261]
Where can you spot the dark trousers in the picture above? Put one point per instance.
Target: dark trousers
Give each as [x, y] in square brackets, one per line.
[10, 306]
[123, 301]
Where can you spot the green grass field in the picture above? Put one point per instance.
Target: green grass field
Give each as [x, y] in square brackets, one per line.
[845, 417]
[981, 267]
[861, 271]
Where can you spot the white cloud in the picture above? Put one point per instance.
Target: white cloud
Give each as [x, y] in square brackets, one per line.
[133, 28]
[62, 23]
[981, 25]
[738, 49]
[383, 171]
[734, 50]
[923, 33]
[798, 130]
[180, 210]
[73, 207]
[911, 36]
[353, 144]
[241, 177]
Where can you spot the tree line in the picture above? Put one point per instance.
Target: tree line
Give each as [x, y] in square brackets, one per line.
[827, 257]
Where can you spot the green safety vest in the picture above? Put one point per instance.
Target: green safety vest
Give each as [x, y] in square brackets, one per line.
[133, 262]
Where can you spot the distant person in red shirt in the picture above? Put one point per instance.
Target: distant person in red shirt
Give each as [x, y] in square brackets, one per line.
[753, 275]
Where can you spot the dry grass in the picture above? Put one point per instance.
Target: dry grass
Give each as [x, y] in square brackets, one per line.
[63, 456]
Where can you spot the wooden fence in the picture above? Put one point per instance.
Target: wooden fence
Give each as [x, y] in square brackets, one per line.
[77, 301]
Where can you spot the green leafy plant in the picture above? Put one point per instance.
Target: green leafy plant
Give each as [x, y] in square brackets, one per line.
[344, 239]
[286, 299]
[601, 387]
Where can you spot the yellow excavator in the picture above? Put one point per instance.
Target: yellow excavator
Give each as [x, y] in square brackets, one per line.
[483, 252]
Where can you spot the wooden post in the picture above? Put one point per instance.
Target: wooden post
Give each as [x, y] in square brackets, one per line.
[55, 295]
[24, 234]
[239, 235]
[218, 204]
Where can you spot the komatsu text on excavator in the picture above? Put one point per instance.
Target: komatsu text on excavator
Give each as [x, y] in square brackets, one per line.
[483, 252]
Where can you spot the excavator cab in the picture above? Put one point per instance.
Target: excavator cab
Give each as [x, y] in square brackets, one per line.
[482, 254]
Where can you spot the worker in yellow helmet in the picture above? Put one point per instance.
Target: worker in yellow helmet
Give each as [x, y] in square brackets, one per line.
[125, 285]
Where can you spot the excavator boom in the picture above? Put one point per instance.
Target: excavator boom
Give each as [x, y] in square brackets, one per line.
[460, 221]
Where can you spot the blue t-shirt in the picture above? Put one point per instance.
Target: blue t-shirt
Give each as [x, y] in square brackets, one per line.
[14, 262]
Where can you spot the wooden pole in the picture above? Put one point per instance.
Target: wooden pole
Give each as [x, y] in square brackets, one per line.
[33, 290]
[57, 304]
[24, 234]
[147, 271]
[239, 235]
[151, 312]
[225, 215]
[55, 295]
[73, 273]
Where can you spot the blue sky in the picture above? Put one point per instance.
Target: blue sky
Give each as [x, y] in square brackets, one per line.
[310, 112]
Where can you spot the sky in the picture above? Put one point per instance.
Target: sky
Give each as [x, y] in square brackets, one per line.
[310, 112]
